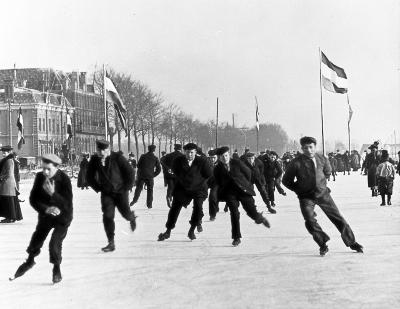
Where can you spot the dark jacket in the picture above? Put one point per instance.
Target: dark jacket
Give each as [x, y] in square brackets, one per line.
[148, 166]
[333, 163]
[167, 162]
[115, 177]
[191, 179]
[257, 172]
[310, 181]
[62, 197]
[272, 169]
[236, 180]
[82, 181]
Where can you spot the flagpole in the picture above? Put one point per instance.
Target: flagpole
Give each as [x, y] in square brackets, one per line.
[216, 127]
[348, 122]
[322, 111]
[257, 124]
[105, 102]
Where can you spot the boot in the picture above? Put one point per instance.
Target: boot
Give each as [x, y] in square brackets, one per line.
[24, 267]
[132, 222]
[110, 247]
[271, 210]
[56, 274]
[262, 220]
[191, 233]
[323, 250]
[236, 242]
[383, 200]
[357, 247]
[132, 203]
[389, 202]
[199, 228]
[164, 236]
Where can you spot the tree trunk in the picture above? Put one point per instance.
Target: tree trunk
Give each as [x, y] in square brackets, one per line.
[119, 140]
[129, 140]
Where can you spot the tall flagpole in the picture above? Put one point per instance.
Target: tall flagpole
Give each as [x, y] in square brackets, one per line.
[322, 111]
[348, 122]
[105, 102]
[257, 124]
[216, 128]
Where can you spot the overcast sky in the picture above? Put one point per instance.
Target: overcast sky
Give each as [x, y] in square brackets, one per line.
[195, 51]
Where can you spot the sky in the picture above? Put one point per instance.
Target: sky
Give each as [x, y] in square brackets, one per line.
[195, 51]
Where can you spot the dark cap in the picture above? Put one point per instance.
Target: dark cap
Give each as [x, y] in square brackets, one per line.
[6, 148]
[373, 147]
[51, 157]
[273, 153]
[152, 148]
[190, 146]
[178, 147]
[249, 154]
[221, 150]
[305, 140]
[102, 144]
[163, 152]
[212, 152]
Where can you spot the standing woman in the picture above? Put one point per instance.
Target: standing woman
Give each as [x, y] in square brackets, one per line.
[371, 163]
[82, 180]
[9, 209]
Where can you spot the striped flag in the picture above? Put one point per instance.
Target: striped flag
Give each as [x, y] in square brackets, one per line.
[257, 116]
[113, 97]
[333, 78]
[20, 126]
[69, 126]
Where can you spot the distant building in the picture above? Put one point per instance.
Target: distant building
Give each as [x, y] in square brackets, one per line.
[44, 95]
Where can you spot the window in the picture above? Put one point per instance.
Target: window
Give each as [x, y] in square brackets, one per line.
[40, 124]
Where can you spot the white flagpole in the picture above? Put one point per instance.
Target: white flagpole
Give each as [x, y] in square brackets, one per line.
[105, 102]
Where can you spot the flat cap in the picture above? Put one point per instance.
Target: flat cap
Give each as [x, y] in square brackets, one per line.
[221, 150]
[190, 146]
[151, 148]
[6, 148]
[102, 144]
[178, 147]
[212, 152]
[51, 157]
[249, 154]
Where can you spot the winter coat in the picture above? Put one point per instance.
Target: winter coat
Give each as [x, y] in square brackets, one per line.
[82, 181]
[167, 162]
[148, 166]
[310, 180]
[115, 177]
[62, 197]
[8, 185]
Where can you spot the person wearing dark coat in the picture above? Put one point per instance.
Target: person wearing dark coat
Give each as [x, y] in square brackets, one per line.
[111, 174]
[191, 172]
[51, 197]
[371, 163]
[272, 171]
[9, 204]
[257, 177]
[346, 163]
[306, 175]
[213, 207]
[148, 168]
[233, 179]
[333, 163]
[169, 177]
[82, 181]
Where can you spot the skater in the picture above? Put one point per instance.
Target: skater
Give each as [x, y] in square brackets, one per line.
[371, 163]
[191, 172]
[257, 177]
[311, 171]
[213, 208]
[272, 172]
[233, 178]
[82, 181]
[385, 173]
[148, 168]
[346, 163]
[9, 205]
[167, 162]
[51, 197]
[133, 163]
[111, 174]
[333, 163]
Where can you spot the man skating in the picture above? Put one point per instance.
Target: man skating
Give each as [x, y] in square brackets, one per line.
[148, 168]
[51, 197]
[233, 179]
[111, 174]
[213, 208]
[311, 171]
[191, 172]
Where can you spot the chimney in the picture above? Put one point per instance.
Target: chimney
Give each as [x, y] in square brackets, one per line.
[82, 81]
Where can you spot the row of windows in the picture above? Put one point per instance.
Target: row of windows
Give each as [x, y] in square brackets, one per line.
[52, 125]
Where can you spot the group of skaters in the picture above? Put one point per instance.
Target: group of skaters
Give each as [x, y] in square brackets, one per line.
[344, 162]
[190, 177]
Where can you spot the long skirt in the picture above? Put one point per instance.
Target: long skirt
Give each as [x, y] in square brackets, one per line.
[10, 208]
[372, 176]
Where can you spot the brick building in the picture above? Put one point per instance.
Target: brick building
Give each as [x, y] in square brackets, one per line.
[44, 95]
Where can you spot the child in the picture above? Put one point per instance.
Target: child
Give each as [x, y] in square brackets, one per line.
[385, 174]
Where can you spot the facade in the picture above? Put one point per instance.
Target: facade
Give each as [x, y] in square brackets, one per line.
[45, 95]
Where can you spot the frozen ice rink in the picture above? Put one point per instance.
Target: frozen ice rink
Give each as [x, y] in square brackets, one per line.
[272, 268]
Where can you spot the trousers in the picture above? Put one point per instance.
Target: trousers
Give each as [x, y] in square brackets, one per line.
[178, 203]
[213, 201]
[139, 187]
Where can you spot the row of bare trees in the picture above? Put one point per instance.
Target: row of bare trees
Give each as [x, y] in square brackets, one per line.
[151, 120]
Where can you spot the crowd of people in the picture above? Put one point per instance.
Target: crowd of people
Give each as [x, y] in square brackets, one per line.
[190, 176]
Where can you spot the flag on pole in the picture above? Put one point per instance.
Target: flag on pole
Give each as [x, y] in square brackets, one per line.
[333, 78]
[69, 126]
[113, 97]
[20, 126]
[257, 116]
